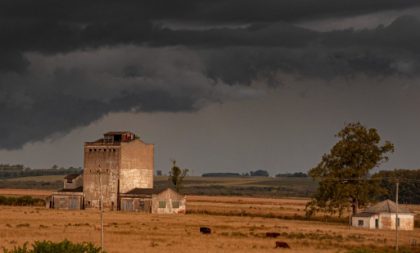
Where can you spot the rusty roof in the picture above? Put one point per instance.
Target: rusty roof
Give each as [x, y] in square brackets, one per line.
[386, 206]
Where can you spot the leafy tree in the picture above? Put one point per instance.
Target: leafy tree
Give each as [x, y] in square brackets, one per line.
[259, 173]
[177, 175]
[343, 173]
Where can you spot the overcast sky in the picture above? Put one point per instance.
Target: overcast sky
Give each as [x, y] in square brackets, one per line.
[232, 85]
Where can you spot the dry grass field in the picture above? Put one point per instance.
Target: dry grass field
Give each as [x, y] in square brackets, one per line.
[25, 192]
[248, 206]
[136, 232]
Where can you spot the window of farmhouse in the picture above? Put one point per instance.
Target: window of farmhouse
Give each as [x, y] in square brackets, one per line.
[175, 204]
[162, 204]
[360, 223]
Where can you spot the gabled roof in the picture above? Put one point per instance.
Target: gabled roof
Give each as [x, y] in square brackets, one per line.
[169, 189]
[162, 186]
[71, 176]
[386, 206]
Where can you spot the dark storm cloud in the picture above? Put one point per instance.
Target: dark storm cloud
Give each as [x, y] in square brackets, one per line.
[62, 66]
[59, 114]
[384, 51]
[58, 93]
[50, 26]
[206, 10]
[12, 61]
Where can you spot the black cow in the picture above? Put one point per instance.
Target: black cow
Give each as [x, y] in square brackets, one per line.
[280, 244]
[205, 230]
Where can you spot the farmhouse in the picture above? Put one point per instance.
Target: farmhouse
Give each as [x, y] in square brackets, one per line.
[152, 200]
[383, 216]
[119, 167]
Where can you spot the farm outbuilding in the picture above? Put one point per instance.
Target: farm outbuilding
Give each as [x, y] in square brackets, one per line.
[165, 201]
[67, 199]
[168, 201]
[71, 196]
[383, 215]
[137, 200]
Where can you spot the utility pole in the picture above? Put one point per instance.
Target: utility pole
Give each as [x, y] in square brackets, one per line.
[396, 217]
[101, 207]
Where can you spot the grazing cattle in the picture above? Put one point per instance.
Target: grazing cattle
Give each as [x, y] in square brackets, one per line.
[272, 234]
[205, 230]
[280, 244]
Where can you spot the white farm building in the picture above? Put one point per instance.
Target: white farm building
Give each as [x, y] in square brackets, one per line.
[383, 216]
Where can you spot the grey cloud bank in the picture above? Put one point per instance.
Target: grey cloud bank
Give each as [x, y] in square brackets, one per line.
[64, 65]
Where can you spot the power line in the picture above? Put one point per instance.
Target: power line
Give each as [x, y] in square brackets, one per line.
[369, 179]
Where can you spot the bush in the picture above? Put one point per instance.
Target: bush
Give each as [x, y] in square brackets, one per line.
[56, 247]
[21, 201]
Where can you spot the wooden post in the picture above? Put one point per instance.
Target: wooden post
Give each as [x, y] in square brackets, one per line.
[396, 217]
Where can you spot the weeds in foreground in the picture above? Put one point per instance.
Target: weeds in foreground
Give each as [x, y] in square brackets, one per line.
[56, 247]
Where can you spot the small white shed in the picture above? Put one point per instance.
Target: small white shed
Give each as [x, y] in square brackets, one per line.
[168, 201]
[383, 216]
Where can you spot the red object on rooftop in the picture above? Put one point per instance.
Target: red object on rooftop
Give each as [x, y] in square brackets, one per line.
[119, 136]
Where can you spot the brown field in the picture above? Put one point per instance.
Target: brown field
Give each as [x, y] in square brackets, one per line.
[136, 232]
[25, 192]
[247, 206]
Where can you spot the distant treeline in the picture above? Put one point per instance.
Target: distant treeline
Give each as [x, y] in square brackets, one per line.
[409, 186]
[257, 173]
[296, 174]
[13, 171]
[221, 174]
[32, 184]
